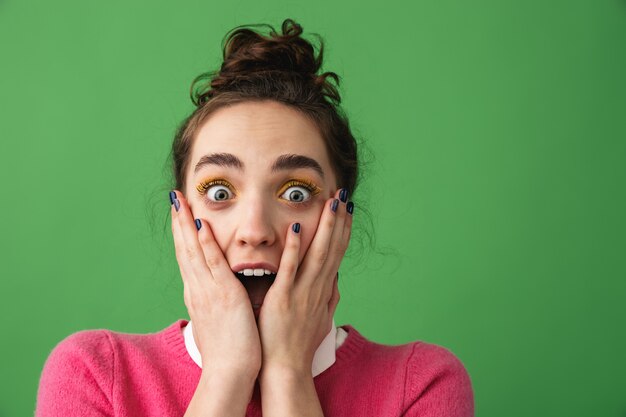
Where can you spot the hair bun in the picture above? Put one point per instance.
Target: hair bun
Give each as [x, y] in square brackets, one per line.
[250, 57]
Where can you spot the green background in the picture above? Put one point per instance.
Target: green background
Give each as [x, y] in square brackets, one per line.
[495, 137]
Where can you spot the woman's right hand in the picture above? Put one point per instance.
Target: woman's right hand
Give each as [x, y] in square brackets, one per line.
[224, 327]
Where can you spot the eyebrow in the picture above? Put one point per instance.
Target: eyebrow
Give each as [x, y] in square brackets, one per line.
[292, 161]
[219, 159]
[283, 162]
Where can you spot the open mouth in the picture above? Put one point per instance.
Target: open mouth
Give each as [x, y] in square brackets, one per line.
[256, 282]
[252, 281]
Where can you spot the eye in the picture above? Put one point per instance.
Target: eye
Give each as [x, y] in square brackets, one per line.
[297, 194]
[219, 193]
[216, 190]
[298, 191]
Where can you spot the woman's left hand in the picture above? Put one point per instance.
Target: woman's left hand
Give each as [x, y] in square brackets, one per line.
[298, 309]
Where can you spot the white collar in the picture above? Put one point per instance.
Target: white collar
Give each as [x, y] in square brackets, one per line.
[324, 355]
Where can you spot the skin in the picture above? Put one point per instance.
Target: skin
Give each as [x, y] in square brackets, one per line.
[252, 221]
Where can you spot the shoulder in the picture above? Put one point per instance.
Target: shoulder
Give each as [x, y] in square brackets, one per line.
[417, 355]
[436, 379]
[87, 353]
[431, 380]
[104, 345]
[84, 345]
[81, 372]
[77, 375]
[434, 358]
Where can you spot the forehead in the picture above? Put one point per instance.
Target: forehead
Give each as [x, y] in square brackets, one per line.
[260, 132]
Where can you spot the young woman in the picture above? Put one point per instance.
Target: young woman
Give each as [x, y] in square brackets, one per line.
[261, 217]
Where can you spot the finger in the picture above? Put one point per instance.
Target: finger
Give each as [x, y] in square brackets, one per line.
[317, 254]
[213, 255]
[193, 254]
[180, 248]
[179, 243]
[334, 254]
[347, 229]
[336, 248]
[288, 266]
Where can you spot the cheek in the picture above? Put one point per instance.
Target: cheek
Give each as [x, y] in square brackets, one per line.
[222, 233]
[221, 226]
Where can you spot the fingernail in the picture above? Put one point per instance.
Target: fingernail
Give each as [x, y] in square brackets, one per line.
[334, 204]
[172, 197]
[296, 227]
[343, 195]
[176, 204]
[198, 224]
[350, 207]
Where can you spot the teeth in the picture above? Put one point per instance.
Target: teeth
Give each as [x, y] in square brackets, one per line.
[257, 272]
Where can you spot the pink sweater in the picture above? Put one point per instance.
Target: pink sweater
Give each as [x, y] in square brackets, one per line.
[104, 373]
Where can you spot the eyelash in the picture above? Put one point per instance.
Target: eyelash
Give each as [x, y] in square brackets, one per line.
[310, 187]
[204, 186]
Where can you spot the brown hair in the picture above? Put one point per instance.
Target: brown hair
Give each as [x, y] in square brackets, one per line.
[281, 67]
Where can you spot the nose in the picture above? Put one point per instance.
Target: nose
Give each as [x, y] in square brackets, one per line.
[255, 227]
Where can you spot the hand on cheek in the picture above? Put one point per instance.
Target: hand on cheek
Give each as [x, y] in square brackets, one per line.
[216, 301]
[298, 308]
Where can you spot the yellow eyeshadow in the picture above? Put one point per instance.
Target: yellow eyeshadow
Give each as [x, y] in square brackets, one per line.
[313, 189]
[204, 185]
[210, 182]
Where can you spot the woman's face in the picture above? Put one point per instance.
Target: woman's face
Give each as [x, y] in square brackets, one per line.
[256, 168]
